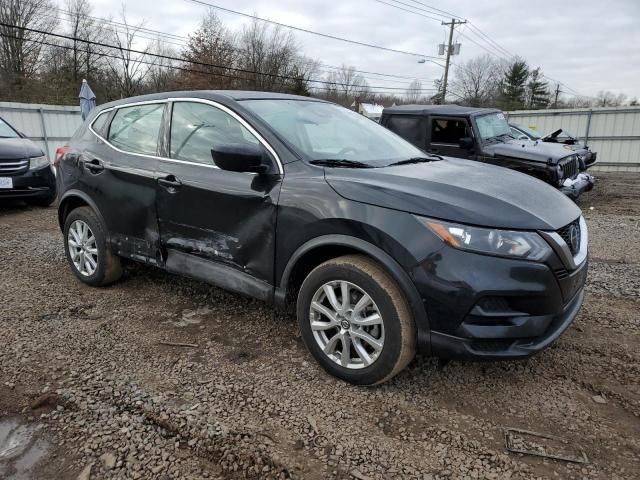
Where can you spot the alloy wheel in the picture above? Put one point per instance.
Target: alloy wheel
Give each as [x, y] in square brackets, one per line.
[347, 324]
[83, 249]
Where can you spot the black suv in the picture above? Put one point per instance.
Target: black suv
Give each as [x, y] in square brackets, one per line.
[484, 135]
[25, 171]
[382, 249]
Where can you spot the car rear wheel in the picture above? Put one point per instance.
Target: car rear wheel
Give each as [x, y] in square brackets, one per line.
[355, 320]
[85, 243]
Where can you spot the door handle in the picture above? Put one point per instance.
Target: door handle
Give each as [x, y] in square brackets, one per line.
[94, 166]
[170, 182]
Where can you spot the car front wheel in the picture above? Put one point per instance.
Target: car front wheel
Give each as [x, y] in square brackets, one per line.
[355, 320]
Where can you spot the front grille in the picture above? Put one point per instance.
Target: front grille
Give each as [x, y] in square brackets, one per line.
[566, 232]
[13, 167]
[570, 167]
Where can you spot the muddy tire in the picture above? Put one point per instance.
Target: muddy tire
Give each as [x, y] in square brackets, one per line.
[355, 320]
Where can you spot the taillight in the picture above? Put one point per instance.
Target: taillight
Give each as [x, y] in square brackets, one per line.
[60, 152]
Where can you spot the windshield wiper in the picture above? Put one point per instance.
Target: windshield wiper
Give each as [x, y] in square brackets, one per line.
[340, 163]
[430, 158]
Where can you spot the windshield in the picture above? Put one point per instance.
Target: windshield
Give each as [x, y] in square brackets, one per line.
[6, 131]
[493, 125]
[326, 131]
[529, 132]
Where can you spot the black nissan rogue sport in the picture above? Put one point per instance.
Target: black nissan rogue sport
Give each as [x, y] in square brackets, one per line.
[383, 249]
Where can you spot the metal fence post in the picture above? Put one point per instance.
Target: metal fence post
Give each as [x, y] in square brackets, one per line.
[586, 134]
[44, 132]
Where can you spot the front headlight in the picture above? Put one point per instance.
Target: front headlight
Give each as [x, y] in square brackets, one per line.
[38, 162]
[503, 243]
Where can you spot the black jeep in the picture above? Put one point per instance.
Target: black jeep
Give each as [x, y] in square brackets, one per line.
[483, 134]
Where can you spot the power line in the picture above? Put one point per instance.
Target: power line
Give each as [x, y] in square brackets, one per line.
[491, 40]
[357, 89]
[327, 68]
[406, 10]
[492, 47]
[311, 32]
[442, 13]
[167, 57]
[185, 39]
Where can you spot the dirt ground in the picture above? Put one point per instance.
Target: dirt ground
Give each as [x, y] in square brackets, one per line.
[88, 391]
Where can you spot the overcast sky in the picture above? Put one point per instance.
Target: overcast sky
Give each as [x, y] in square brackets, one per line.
[589, 45]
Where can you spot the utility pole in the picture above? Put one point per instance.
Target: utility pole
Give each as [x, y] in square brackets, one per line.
[452, 24]
[555, 102]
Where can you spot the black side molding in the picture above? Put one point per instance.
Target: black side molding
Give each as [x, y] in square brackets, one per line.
[218, 274]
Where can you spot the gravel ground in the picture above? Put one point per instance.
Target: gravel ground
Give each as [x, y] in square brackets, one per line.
[88, 391]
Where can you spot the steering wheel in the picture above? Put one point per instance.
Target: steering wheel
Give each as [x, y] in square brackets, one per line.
[345, 150]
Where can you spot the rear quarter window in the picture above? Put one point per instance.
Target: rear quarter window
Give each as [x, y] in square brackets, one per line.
[408, 127]
[99, 125]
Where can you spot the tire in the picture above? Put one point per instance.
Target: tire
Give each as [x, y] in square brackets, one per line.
[107, 265]
[394, 335]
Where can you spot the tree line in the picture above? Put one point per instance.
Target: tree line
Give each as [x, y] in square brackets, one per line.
[46, 51]
[487, 82]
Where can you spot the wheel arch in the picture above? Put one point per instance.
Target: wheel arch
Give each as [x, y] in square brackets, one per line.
[323, 248]
[74, 199]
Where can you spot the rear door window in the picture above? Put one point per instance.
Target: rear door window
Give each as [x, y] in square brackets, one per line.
[136, 129]
[448, 130]
[408, 127]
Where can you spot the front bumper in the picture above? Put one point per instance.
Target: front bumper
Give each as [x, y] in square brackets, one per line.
[489, 308]
[504, 346]
[573, 188]
[40, 183]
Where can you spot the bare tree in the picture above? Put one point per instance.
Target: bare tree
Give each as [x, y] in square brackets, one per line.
[162, 74]
[476, 81]
[269, 55]
[128, 69]
[86, 31]
[347, 86]
[21, 50]
[609, 99]
[414, 92]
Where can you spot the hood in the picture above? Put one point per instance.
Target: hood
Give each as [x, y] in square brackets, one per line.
[14, 148]
[532, 150]
[461, 191]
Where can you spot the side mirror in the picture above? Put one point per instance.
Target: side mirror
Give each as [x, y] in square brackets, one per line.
[240, 158]
[466, 143]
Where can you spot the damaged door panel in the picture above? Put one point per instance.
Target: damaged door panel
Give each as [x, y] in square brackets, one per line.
[120, 176]
[227, 217]
[208, 213]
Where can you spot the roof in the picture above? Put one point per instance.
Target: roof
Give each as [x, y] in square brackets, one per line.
[210, 95]
[438, 110]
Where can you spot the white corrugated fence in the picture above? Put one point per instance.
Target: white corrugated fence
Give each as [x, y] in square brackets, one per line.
[613, 132]
[49, 126]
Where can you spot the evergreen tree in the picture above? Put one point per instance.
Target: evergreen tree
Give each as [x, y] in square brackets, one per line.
[538, 90]
[514, 85]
